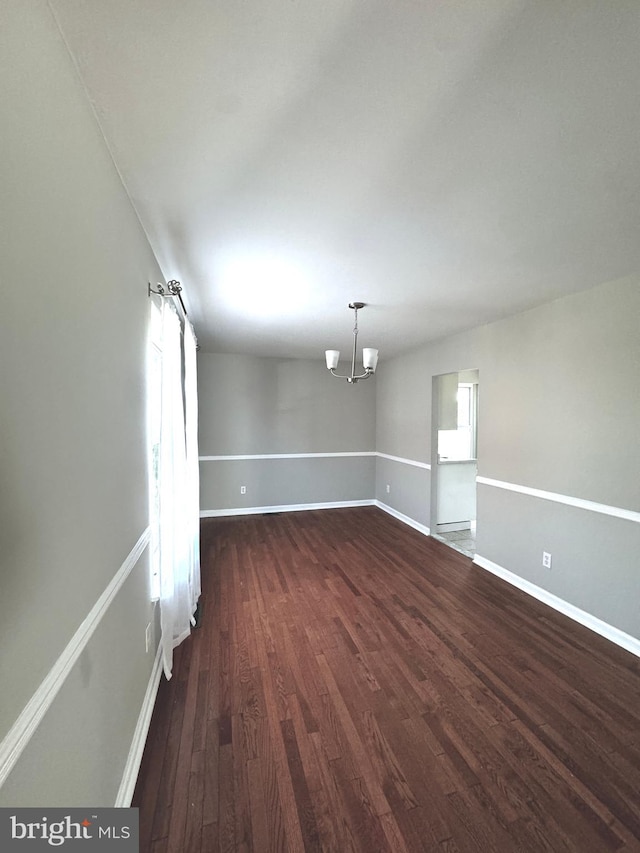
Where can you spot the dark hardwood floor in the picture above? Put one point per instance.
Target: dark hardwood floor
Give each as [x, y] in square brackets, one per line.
[356, 686]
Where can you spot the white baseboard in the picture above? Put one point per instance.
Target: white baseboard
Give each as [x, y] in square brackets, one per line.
[422, 528]
[261, 510]
[609, 632]
[132, 767]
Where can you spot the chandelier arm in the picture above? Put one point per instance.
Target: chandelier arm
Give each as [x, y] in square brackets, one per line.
[368, 372]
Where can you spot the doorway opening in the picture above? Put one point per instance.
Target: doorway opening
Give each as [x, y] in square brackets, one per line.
[454, 463]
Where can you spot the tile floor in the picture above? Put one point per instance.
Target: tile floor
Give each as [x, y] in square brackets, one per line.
[462, 540]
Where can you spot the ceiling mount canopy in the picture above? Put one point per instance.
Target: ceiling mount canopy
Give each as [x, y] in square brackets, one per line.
[369, 355]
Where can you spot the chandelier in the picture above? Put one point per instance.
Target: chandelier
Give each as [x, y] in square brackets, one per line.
[369, 355]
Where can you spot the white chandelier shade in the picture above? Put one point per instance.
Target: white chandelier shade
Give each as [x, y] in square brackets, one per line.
[332, 356]
[370, 358]
[369, 354]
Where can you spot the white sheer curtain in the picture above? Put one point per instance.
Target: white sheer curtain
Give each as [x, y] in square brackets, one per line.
[179, 581]
[193, 465]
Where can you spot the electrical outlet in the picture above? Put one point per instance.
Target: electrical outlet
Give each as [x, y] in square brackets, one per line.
[388, 488]
[243, 490]
[147, 638]
[546, 559]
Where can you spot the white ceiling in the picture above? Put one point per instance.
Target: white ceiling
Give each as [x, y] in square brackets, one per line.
[448, 163]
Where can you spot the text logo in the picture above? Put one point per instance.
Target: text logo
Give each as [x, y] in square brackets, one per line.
[107, 829]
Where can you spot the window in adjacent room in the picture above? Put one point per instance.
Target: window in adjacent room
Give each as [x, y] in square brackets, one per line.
[460, 444]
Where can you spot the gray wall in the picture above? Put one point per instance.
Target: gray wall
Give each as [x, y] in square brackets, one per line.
[253, 406]
[559, 411]
[73, 504]
[408, 489]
